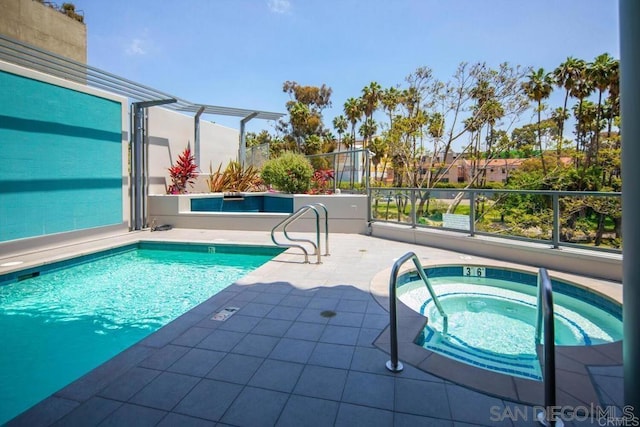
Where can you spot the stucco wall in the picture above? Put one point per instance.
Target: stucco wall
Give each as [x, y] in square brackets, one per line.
[34, 23]
[169, 133]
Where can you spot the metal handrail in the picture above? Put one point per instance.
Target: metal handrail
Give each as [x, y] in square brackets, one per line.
[295, 216]
[394, 365]
[545, 310]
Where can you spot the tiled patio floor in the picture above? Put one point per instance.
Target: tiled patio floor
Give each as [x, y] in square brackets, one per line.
[280, 360]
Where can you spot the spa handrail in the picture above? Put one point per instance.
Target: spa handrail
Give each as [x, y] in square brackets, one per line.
[545, 310]
[295, 216]
[394, 365]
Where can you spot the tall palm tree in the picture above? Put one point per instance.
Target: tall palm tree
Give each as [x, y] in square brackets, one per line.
[566, 76]
[581, 89]
[599, 72]
[340, 125]
[538, 88]
[390, 98]
[353, 111]
[370, 100]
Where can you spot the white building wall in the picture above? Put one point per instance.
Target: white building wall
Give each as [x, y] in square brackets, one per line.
[170, 132]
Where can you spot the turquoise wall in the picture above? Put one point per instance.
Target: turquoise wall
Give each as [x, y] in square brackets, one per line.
[60, 159]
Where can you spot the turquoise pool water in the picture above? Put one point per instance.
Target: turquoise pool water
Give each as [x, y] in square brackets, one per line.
[63, 323]
[492, 322]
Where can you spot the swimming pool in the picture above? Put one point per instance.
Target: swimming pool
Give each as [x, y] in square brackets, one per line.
[60, 321]
[491, 317]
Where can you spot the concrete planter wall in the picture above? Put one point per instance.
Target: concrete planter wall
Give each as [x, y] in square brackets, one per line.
[347, 212]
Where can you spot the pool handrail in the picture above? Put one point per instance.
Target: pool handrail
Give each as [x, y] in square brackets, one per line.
[394, 365]
[295, 216]
[545, 310]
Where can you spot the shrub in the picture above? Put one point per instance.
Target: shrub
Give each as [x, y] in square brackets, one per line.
[233, 178]
[290, 173]
[182, 173]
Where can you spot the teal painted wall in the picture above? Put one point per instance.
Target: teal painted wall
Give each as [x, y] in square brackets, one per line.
[60, 159]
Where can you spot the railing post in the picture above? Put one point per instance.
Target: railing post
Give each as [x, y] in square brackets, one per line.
[413, 208]
[555, 233]
[545, 309]
[394, 365]
[472, 213]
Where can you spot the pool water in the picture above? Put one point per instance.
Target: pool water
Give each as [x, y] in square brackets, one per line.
[60, 325]
[491, 322]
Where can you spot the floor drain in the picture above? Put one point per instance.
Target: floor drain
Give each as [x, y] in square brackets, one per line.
[328, 313]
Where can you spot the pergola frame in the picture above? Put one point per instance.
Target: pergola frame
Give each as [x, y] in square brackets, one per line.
[140, 97]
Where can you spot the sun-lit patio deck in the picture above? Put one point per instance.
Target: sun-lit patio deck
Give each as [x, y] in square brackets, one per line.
[279, 361]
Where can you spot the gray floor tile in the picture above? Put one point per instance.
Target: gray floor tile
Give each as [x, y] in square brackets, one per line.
[239, 323]
[268, 298]
[209, 399]
[133, 415]
[256, 309]
[373, 307]
[340, 335]
[611, 389]
[293, 350]
[323, 303]
[235, 368]
[370, 390]
[192, 336]
[265, 405]
[90, 413]
[163, 358]
[272, 327]
[299, 301]
[375, 321]
[197, 362]
[303, 411]
[177, 420]
[284, 313]
[256, 345]
[305, 331]
[312, 315]
[352, 306]
[125, 386]
[370, 360]
[361, 416]
[408, 420]
[352, 293]
[332, 355]
[221, 340]
[367, 336]
[478, 408]
[246, 295]
[318, 381]
[410, 398]
[347, 319]
[165, 391]
[277, 375]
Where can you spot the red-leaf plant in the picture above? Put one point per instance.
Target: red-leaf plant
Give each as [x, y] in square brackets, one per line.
[320, 181]
[182, 173]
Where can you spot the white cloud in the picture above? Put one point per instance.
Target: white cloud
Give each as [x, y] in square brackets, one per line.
[136, 47]
[279, 6]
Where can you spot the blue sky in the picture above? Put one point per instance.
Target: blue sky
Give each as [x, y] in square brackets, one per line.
[237, 53]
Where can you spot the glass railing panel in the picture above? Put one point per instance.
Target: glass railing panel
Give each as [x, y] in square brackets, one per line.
[521, 215]
[592, 221]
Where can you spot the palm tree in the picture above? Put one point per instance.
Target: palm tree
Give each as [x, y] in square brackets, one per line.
[340, 125]
[566, 76]
[370, 99]
[353, 111]
[538, 88]
[390, 98]
[581, 89]
[599, 72]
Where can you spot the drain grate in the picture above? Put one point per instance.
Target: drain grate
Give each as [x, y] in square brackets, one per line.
[328, 313]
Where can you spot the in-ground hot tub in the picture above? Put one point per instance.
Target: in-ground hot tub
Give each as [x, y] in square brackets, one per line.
[492, 314]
